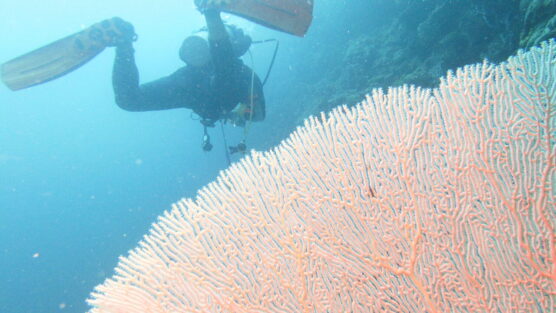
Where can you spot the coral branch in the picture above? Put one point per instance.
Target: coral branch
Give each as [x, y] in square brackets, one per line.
[413, 201]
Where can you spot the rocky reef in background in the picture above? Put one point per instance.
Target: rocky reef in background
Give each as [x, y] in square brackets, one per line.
[539, 21]
[366, 44]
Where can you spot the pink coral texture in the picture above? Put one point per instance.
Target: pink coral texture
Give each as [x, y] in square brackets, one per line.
[415, 200]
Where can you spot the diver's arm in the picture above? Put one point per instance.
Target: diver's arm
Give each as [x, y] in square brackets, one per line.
[252, 106]
[257, 112]
[125, 77]
[259, 107]
[161, 94]
[216, 28]
[220, 45]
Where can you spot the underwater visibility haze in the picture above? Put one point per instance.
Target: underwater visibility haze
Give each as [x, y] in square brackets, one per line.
[82, 181]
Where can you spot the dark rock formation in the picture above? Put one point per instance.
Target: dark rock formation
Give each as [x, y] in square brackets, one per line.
[354, 46]
[368, 44]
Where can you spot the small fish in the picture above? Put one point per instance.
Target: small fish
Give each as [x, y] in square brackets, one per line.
[372, 192]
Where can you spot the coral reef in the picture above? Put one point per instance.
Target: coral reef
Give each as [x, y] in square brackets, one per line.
[416, 200]
[413, 42]
[539, 21]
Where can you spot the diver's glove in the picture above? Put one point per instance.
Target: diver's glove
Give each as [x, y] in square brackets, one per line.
[114, 32]
[240, 115]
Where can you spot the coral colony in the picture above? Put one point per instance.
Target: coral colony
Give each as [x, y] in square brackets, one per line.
[415, 200]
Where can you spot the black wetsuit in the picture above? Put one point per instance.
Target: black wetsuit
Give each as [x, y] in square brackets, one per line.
[211, 91]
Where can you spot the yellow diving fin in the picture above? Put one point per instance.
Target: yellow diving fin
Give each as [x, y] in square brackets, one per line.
[60, 57]
[290, 16]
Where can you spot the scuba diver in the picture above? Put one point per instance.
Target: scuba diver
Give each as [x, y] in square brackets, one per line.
[215, 83]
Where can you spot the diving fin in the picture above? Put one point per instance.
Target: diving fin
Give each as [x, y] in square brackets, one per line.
[290, 16]
[58, 58]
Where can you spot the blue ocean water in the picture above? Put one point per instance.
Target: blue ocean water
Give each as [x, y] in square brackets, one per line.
[82, 180]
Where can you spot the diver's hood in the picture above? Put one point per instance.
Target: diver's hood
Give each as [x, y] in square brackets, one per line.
[195, 49]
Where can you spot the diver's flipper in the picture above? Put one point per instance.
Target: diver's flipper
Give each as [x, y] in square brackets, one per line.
[57, 58]
[290, 16]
